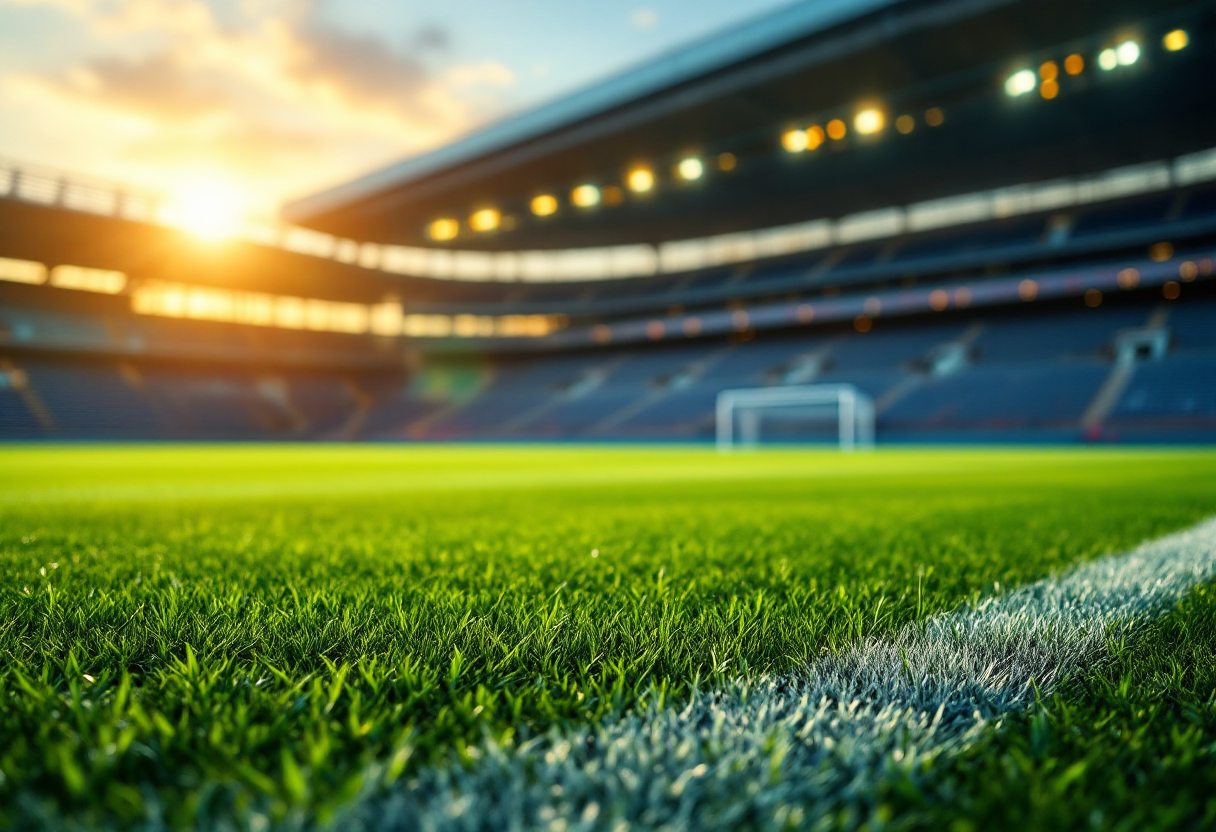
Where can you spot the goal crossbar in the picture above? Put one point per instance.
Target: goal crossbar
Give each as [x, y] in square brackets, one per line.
[854, 410]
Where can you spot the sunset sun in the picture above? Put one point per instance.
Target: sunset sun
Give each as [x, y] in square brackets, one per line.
[207, 208]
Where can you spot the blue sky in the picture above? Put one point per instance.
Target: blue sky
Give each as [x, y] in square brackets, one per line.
[281, 97]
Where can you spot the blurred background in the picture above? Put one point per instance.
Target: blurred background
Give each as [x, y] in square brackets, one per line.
[912, 220]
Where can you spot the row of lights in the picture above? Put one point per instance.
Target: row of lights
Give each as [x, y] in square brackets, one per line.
[640, 180]
[1047, 79]
[866, 122]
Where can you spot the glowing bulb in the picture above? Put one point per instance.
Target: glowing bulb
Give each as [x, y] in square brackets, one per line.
[206, 208]
[585, 196]
[868, 121]
[640, 180]
[1074, 64]
[443, 230]
[1127, 52]
[814, 137]
[836, 129]
[794, 141]
[486, 219]
[544, 205]
[1020, 83]
[690, 168]
[1107, 59]
[1176, 40]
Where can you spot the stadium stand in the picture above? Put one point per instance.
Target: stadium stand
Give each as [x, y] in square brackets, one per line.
[1038, 267]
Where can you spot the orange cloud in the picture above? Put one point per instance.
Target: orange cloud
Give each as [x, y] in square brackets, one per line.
[269, 96]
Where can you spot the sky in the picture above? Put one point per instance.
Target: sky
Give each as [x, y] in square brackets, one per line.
[274, 99]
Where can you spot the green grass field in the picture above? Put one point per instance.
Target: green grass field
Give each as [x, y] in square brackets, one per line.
[253, 637]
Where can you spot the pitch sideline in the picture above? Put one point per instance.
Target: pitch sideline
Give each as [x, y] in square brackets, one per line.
[791, 751]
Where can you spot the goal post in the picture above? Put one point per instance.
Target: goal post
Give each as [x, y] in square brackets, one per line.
[741, 413]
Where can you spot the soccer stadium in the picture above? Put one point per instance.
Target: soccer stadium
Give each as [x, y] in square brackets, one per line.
[808, 427]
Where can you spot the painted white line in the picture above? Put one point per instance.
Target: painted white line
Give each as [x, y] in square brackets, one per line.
[791, 752]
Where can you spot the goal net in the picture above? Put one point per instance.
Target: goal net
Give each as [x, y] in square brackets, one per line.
[798, 413]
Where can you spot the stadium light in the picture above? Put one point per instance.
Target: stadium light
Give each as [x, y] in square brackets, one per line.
[690, 168]
[869, 121]
[1107, 59]
[1176, 40]
[487, 219]
[442, 230]
[794, 141]
[1020, 83]
[585, 196]
[1127, 52]
[640, 180]
[544, 205]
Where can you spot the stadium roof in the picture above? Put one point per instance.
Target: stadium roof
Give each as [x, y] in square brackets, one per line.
[734, 94]
[705, 56]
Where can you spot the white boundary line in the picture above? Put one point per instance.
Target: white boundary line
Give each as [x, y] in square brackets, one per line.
[789, 752]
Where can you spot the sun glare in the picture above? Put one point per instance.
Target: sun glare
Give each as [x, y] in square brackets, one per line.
[209, 209]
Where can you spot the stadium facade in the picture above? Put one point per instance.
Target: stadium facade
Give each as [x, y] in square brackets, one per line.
[995, 218]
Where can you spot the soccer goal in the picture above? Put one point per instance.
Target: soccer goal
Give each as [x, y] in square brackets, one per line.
[743, 414]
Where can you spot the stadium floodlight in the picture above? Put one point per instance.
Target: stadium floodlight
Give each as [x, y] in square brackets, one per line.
[544, 205]
[741, 413]
[585, 196]
[794, 141]
[1127, 52]
[1020, 83]
[443, 230]
[487, 219]
[690, 168]
[869, 120]
[640, 180]
[1176, 40]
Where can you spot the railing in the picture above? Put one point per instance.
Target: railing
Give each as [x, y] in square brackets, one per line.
[43, 186]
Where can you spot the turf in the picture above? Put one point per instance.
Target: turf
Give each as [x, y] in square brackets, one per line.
[210, 635]
[1131, 746]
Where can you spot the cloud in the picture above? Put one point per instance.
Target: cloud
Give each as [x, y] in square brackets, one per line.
[156, 84]
[362, 66]
[262, 90]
